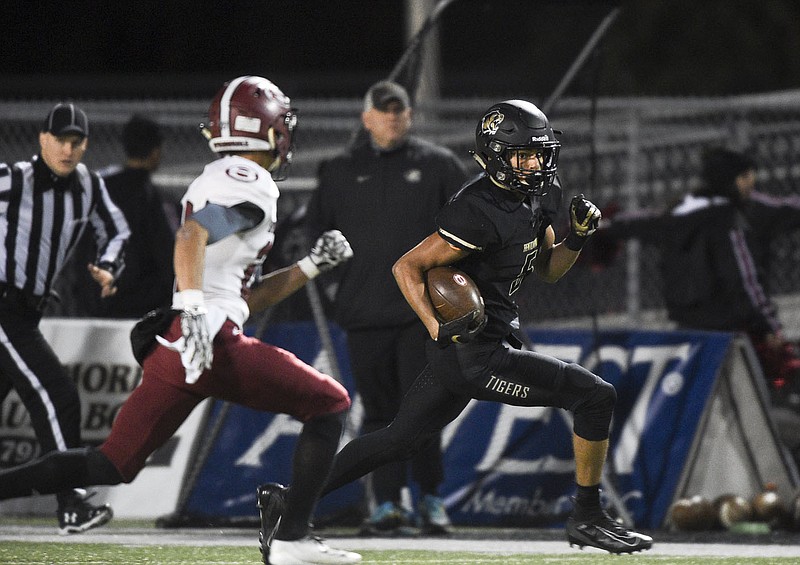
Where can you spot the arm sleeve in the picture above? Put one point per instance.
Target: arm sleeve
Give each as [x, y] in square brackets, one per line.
[645, 225]
[736, 263]
[110, 228]
[773, 216]
[740, 298]
[222, 221]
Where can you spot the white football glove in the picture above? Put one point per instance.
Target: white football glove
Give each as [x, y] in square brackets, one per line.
[329, 250]
[195, 345]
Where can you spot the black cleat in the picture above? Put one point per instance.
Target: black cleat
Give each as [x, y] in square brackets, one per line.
[601, 531]
[271, 501]
[77, 515]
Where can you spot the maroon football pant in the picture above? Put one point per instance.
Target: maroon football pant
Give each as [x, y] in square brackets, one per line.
[245, 371]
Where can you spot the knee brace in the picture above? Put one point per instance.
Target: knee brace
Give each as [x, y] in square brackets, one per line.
[593, 411]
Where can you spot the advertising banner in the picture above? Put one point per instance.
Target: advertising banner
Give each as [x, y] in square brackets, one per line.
[505, 465]
[519, 468]
[97, 356]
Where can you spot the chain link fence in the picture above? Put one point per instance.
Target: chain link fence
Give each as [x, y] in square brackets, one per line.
[634, 153]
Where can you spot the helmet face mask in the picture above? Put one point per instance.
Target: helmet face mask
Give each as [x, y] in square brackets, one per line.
[251, 113]
[516, 146]
[531, 167]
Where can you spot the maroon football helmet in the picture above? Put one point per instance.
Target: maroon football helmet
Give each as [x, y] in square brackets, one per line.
[250, 113]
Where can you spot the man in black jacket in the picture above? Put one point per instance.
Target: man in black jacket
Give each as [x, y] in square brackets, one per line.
[383, 194]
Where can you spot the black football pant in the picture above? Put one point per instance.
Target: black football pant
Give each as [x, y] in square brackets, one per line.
[385, 363]
[484, 371]
[29, 366]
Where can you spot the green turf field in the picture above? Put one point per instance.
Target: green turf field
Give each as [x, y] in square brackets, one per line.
[90, 553]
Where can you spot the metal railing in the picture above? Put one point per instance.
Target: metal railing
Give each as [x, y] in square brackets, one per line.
[638, 152]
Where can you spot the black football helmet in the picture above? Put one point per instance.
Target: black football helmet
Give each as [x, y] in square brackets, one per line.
[250, 113]
[515, 125]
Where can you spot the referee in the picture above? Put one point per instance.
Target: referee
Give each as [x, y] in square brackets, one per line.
[45, 205]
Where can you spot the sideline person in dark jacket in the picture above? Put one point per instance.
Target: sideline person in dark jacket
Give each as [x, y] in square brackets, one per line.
[713, 246]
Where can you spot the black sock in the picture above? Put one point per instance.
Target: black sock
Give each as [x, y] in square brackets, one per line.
[587, 499]
[313, 457]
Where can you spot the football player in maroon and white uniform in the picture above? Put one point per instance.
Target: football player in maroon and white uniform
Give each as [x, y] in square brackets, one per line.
[229, 213]
[498, 229]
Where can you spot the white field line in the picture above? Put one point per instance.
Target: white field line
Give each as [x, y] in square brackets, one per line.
[210, 537]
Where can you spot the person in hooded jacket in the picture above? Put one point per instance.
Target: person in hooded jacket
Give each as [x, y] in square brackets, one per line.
[714, 260]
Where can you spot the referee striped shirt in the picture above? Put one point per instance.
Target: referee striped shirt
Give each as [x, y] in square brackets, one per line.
[42, 217]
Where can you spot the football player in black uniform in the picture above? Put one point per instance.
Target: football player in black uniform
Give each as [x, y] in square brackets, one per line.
[498, 229]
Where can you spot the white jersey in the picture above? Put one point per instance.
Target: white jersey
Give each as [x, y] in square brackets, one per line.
[232, 264]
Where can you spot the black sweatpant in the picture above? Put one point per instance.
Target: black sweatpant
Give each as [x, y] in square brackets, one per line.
[484, 371]
[385, 363]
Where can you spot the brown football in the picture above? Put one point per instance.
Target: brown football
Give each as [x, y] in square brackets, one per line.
[453, 294]
[734, 510]
[768, 506]
[695, 513]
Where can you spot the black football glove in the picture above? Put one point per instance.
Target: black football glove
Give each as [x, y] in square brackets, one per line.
[460, 330]
[584, 218]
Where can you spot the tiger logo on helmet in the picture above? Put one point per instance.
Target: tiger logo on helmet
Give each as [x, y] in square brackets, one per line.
[507, 128]
[491, 122]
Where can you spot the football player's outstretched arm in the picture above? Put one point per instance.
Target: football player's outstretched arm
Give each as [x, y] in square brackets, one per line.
[275, 287]
[330, 249]
[409, 272]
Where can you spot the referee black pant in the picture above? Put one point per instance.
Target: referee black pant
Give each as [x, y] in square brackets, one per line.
[29, 366]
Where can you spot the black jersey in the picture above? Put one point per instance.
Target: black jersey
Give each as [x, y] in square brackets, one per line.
[503, 235]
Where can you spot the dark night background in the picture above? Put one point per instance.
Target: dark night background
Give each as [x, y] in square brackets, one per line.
[338, 48]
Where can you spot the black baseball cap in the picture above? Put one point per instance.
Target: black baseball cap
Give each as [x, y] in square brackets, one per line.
[66, 118]
[382, 93]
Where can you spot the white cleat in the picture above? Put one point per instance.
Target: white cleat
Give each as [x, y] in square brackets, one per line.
[309, 551]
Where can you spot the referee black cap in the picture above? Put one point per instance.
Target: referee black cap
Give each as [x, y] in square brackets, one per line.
[66, 118]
